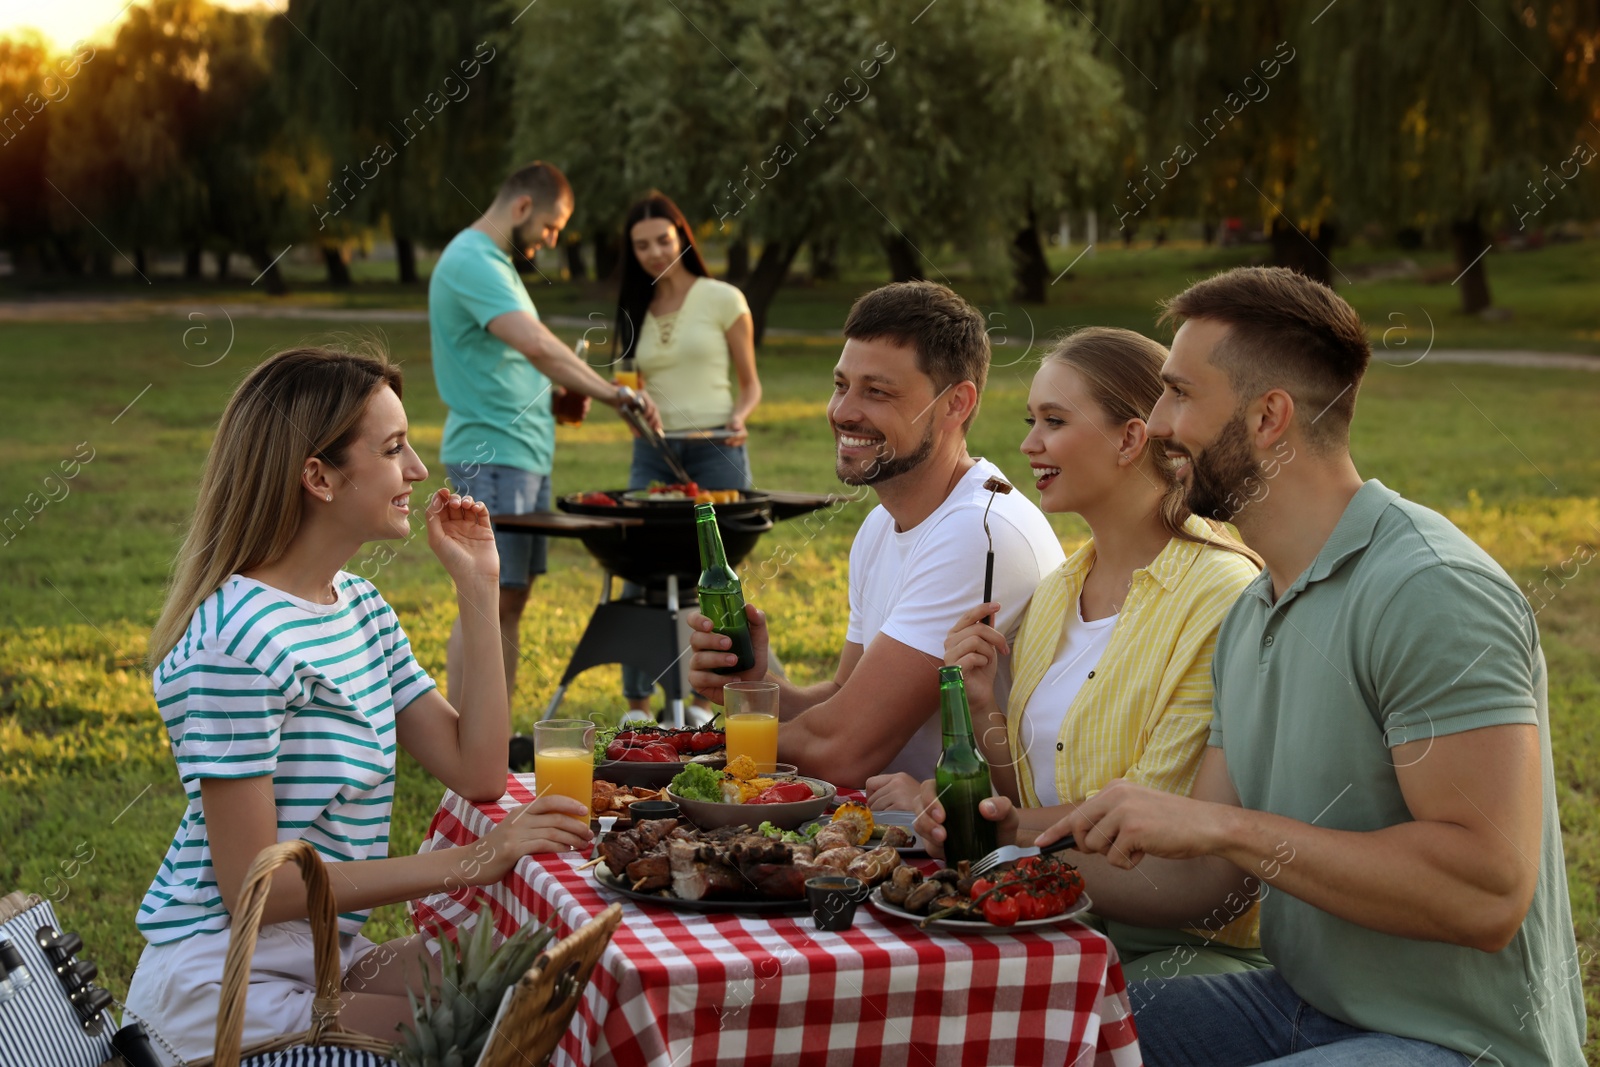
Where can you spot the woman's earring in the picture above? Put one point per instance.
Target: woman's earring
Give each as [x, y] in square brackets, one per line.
[328, 497]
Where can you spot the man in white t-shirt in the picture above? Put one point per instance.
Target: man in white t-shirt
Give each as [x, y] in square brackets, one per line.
[905, 390]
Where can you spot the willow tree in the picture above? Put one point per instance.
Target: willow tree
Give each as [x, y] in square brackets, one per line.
[123, 148]
[1437, 116]
[841, 124]
[33, 83]
[1226, 130]
[256, 163]
[408, 101]
[167, 140]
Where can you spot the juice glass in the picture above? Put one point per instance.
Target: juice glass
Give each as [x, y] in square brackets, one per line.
[629, 378]
[563, 759]
[752, 716]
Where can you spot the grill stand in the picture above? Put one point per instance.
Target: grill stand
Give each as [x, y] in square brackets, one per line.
[638, 633]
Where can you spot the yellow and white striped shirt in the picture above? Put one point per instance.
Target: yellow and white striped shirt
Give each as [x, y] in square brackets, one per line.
[1144, 714]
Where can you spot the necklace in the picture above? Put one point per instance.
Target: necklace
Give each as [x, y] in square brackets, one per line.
[664, 324]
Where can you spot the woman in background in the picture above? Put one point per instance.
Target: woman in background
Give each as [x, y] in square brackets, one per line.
[691, 338]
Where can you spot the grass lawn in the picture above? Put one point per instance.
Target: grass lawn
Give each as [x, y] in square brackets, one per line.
[1549, 293]
[1509, 454]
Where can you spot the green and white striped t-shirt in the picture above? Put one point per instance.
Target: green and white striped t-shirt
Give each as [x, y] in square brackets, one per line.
[264, 683]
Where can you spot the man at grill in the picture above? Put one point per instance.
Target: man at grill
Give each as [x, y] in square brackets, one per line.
[905, 391]
[494, 363]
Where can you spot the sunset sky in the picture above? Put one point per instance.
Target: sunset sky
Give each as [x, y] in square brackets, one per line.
[63, 22]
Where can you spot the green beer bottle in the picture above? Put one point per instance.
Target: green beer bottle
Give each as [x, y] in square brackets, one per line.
[961, 776]
[721, 595]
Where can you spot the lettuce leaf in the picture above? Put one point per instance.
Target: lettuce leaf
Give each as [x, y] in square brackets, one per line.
[698, 782]
[803, 836]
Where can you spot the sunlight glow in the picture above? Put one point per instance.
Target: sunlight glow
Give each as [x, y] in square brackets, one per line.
[64, 22]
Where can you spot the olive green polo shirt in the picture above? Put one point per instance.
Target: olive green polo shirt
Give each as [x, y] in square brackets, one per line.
[1401, 630]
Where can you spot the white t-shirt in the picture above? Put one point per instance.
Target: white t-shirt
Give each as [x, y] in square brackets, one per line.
[913, 585]
[1082, 647]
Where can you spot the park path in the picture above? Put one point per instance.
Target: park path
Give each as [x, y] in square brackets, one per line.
[119, 310]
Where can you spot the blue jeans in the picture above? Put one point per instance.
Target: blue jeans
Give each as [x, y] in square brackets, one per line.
[508, 491]
[712, 465]
[1230, 1020]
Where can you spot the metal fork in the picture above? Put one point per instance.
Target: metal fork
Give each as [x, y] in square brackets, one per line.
[1012, 853]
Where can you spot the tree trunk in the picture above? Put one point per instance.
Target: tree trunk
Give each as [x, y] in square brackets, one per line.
[738, 260]
[405, 254]
[141, 262]
[607, 257]
[100, 264]
[28, 260]
[67, 257]
[1327, 238]
[575, 264]
[224, 259]
[825, 260]
[1031, 270]
[271, 276]
[765, 281]
[338, 266]
[1296, 249]
[191, 262]
[903, 259]
[1469, 241]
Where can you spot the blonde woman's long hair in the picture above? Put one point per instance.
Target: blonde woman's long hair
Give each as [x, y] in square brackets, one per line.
[300, 404]
[1123, 372]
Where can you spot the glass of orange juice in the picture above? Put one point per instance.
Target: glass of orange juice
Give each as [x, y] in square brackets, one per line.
[563, 759]
[752, 715]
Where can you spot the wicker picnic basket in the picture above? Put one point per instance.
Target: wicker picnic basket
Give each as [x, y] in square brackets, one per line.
[325, 1029]
[542, 1002]
[545, 998]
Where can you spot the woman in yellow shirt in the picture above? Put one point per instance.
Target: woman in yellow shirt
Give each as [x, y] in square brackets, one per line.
[690, 337]
[1111, 671]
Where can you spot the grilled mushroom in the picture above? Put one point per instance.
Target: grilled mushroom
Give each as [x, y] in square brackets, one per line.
[900, 884]
[924, 894]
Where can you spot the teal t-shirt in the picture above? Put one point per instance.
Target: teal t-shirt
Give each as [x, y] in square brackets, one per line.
[1401, 630]
[499, 402]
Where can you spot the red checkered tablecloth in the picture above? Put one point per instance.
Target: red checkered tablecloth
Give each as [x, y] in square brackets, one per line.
[679, 988]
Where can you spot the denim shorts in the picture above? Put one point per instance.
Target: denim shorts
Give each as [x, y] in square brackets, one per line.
[712, 464]
[508, 491]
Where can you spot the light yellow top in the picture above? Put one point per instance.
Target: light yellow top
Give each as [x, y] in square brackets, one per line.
[1145, 714]
[683, 356]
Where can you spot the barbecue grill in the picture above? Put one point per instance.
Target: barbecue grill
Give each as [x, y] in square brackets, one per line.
[652, 544]
[666, 544]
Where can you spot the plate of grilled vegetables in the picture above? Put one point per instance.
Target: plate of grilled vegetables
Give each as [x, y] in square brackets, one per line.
[1035, 891]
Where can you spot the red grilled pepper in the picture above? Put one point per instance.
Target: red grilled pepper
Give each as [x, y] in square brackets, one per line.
[783, 793]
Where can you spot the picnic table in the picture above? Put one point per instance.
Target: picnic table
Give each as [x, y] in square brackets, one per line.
[677, 988]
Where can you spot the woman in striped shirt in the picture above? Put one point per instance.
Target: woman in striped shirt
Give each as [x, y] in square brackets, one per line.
[1111, 673]
[286, 683]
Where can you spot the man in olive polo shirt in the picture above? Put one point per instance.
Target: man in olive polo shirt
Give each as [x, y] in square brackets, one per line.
[1380, 770]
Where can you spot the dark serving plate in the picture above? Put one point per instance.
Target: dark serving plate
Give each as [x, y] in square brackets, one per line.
[649, 775]
[603, 875]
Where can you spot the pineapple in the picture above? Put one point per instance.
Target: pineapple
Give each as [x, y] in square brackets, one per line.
[452, 1024]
